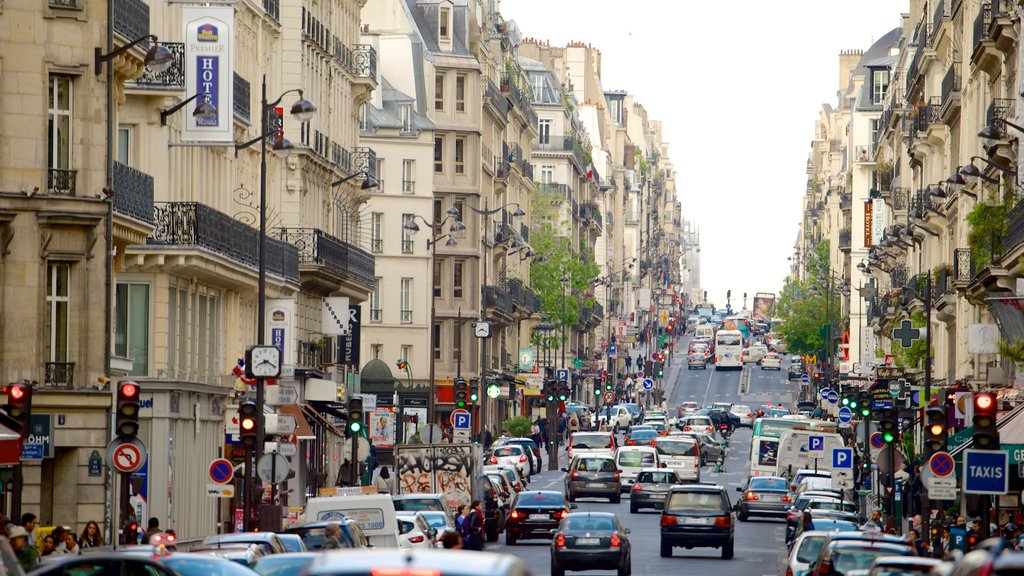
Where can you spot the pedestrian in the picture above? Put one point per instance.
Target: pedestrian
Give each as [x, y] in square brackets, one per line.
[48, 546]
[451, 540]
[91, 536]
[153, 527]
[26, 553]
[331, 537]
[914, 539]
[574, 423]
[486, 438]
[70, 544]
[28, 522]
[58, 537]
[475, 523]
[876, 519]
[383, 481]
[460, 523]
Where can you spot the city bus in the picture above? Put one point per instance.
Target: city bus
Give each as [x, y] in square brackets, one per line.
[738, 323]
[728, 350]
[764, 443]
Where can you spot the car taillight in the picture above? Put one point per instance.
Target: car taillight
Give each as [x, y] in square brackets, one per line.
[667, 520]
[787, 499]
[723, 521]
[637, 487]
[536, 451]
[416, 539]
[615, 540]
[559, 514]
[789, 571]
[522, 458]
[687, 428]
[750, 415]
[716, 358]
[493, 460]
[824, 567]
[515, 514]
[630, 442]
[752, 496]
[617, 474]
[519, 486]
[575, 474]
[560, 541]
[404, 572]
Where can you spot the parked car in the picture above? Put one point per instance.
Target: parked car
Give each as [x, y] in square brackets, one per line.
[593, 476]
[844, 552]
[804, 550]
[697, 515]
[591, 541]
[535, 514]
[436, 562]
[650, 488]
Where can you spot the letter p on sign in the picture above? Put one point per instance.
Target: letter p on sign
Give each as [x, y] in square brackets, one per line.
[842, 458]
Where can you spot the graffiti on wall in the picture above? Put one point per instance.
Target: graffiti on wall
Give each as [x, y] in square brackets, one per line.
[445, 469]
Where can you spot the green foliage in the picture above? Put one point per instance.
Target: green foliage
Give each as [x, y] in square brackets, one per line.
[988, 225]
[802, 311]
[907, 442]
[911, 357]
[517, 426]
[1013, 351]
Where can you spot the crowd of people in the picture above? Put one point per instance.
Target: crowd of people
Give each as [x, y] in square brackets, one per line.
[30, 546]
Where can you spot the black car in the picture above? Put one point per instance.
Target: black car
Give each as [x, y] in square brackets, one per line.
[795, 371]
[590, 541]
[697, 516]
[535, 514]
[105, 563]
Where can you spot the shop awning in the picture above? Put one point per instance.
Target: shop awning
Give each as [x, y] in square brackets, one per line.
[336, 409]
[10, 446]
[302, 429]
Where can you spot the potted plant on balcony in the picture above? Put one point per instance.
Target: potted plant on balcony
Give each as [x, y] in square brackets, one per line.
[987, 226]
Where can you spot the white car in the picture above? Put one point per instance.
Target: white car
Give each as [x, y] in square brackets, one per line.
[687, 408]
[696, 424]
[744, 413]
[771, 361]
[414, 531]
[756, 353]
[511, 455]
[804, 551]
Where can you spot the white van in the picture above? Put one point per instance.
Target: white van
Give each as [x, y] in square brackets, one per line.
[681, 454]
[375, 514]
[632, 459]
[704, 331]
[794, 454]
[591, 444]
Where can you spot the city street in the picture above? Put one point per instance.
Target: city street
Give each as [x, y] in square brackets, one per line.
[760, 547]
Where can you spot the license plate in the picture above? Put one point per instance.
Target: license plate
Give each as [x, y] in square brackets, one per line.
[588, 541]
[697, 521]
[539, 516]
[769, 498]
[596, 485]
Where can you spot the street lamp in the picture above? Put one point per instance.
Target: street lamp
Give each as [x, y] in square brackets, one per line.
[158, 57]
[991, 133]
[565, 285]
[205, 110]
[368, 183]
[302, 110]
[456, 226]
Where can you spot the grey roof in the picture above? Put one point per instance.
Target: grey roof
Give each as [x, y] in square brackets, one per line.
[425, 16]
[877, 56]
[387, 116]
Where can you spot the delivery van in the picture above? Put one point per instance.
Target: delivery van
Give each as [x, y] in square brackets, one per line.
[374, 513]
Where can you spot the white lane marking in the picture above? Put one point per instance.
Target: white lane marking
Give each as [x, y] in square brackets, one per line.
[708, 389]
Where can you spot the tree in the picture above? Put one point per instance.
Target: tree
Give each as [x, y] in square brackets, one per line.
[517, 426]
[802, 305]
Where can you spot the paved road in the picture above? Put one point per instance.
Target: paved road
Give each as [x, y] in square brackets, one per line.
[759, 543]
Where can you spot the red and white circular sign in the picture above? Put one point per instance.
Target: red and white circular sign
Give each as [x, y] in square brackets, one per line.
[127, 458]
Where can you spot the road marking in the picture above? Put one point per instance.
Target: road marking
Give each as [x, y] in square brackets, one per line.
[708, 389]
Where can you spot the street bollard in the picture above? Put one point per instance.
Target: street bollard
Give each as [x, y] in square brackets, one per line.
[720, 463]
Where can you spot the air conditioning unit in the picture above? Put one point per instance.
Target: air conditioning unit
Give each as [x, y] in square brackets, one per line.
[328, 352]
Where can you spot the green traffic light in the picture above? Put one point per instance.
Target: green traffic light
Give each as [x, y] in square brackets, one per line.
[597, 391]
[474, 397]
[865, 412]
[356, 427]
[461, 403]
[846, 401]
[888, 437]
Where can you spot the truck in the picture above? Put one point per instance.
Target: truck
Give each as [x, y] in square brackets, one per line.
[451, 470]
[764, 305]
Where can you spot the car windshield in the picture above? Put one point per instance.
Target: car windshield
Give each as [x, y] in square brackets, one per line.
[636, 458]
[591, 441]
[540, 500]
[676, 448]
[205, 565]
[417, 504]
[846, 559]
[769, 484]
[596, 465]
[507, 451]
[657, 477]
[908, 571]
[436, 519]
[740, 409]
[809, 548]
[831, 505]
[587, 523]
[697, 501]
[643, 435]
[698, 422]
[729, 339]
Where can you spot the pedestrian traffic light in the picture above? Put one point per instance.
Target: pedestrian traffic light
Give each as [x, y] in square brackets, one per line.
[461, 392]
[19, 405]
[356, 418]
[986, 437]
[474, 390]
[494, 390]
[247, 424]
[126, 422]
[935, 431]
[597, 392]
[889, 425]
[846, 400]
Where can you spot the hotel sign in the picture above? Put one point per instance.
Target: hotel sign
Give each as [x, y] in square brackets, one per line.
[868, 224]
[209, 71]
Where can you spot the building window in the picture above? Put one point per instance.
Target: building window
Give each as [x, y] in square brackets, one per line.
[437, 341]
[460, 155]
[406, 303]
[460, 93]
[615, 110]
[439, 154]
[376, 232]
[194, 332]
[58, 277]
[437, 278]
[124, 142]
[376, 350]
[879, 85]
[131, 325]
[405, 115]
[439, 92]
[544, 131]
[537, 87]
[460, 208]
[406, 353]
[437, 216]
[407, 234]
[408, 176]
[375, 311]
[379, 167]
[59, 134]
[457, 277]
[547, 174]
[444, 23]
[874, 131]
[363, 126]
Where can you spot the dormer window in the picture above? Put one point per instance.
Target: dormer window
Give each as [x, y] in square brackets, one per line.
[879, 85]
[444, 23]
[405, 115]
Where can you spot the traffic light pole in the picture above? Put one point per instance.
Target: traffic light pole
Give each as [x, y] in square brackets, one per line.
[926, 500]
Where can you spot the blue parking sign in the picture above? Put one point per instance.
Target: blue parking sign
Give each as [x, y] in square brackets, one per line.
[815, 443]
[842, 458]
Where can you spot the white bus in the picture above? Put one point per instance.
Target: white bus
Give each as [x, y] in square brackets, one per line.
[728, 350]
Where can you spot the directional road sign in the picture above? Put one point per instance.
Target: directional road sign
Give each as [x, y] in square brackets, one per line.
[279, 424]
[562, 375]
[986, 471]
[833, 397]
[941, 464]
[126, 456]
[842, 458]
[648, 383]
[221, 471]
[845, 415]
[461, 419]
[816, 444]
[282, 395]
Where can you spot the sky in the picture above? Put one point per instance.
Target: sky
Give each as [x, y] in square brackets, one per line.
[738, 86]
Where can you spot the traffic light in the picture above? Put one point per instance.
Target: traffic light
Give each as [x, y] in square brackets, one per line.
[986, 437]
[563, 390]
[355, 415]
[889, 425]
[126, 422]
[247, 424]
[935, 431]
[461, 392]
[846, 400]
[549, 390]
[865, 404]
[494, 390]
[659, 369]
[728, 294]
[474, 390]
[19, 405]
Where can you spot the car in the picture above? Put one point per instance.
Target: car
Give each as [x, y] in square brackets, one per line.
[687, 408]
[681, 455]
[591, 541]
[771, 361]
[528, 444]
[756, 353]
[840, 556]
[697, 360]
[513, 474]
[641, 437]
[284, 564]
[596, 443]
[744, 413]
[243, 555]
[696, 424]
[905, 566]
[616, 417]
[505, 488]
[816, 484]
[415, 563]
[636, 414]
[593, 476]
[650, 488]
[794, 513]
[511, 455]
[187, 564]
[312, 534]
[414, 531]
[439, 521]
[631, 459]
[799, 476]
[535, 514]
[763, 496]
[795, 371]
[697, 515]
[804, 550]
[268, 541]
[292, 542]
[660, 427]
[636, 427]
[495, 506]
[824, 525]
[108, 562]
[421, 502]
[723, 420]
[709, 448]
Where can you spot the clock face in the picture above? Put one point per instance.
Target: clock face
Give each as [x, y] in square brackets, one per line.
[483, 329]
[266, 361]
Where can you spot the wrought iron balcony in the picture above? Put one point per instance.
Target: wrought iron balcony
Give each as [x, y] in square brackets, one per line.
[173, 78]
[522, 296]
[900, 198]
[198, 225]
[499, 299]
[497, 99]
[951, 85]
[1015, 229]
[273, 9]
[63, 4]
[61, 182]
[131, 21]
[586, 315]
[364, 61]
[963, 266]
[310, 354]
[524, 231]
[342, 158]
[982, 23]
[59, 375]
[133, 193]
[242, 98]
[941, 13]
[365, 159]
[898, 276]
[940, 283]
[844, 239]
[1000, 109]
[318, 248]
[562, 190]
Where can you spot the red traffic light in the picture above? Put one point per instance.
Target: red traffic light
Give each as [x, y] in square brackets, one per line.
[129, 390]
[984, 401]
[16, 392]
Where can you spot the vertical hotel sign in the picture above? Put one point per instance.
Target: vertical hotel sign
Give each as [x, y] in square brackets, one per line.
[868, 223]
[209, 70]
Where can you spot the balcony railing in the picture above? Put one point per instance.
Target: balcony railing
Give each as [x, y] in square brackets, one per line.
[364, 159]
[631, 217]
[900, 198]
[309, 354]
[318, 248]
[408, 186]
[522, 296]
[963, 265]
[941, 13]
[496, 98]
[499, 299]
[940, 284]
[63, 3]
[407, 246]
[405, 316]
[562, 190]
[1000, 109]
[59, 374]
[364, 61]
[844, 239]
[61, 182]
[133, 193]
[524, 231]
[376, 245]
[981, 25]
[198, 225]
[173, 78]
[1015, 230]
[898, 276]
[951, 83]
[131, 21]
[376, 315]
[242, 98]
[273, 9]
[342, 158]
